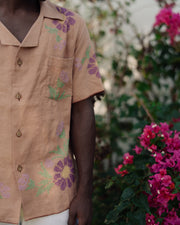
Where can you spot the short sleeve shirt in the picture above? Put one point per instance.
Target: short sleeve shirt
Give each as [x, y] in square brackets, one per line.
[40, 78]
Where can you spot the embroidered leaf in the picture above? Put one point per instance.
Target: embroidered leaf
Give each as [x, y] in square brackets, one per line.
[31, 185]
[66, 145]
[62, 135]
[60, 84]
[63, 96]
[51, 30]
[43, 182]
[87, 55]
[0, 197]
[40, 190]
[58, 38]
[58, 151]
[44, 173]
[58, 156]
[87, 52]
[52, 91]
[48, 187]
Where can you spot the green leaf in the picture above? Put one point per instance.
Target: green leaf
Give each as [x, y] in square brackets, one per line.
[62, 135]
[141, 202]
[114, 214]
[109, 184]
[52, 92]
[31, 185]
[49, 186]
[58, 38]
[60, 84]
[58, 151]
[0, 197]
[127, 193]
[44, 173]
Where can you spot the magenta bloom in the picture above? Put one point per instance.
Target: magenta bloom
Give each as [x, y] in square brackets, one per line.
[64, 173]
[4, 191]
[150, 220]
[23, 182]
[171, 20]
[128, 159]
[137, 149]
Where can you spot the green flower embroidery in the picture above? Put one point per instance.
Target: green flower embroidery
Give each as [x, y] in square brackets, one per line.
[47, 183]
[87, 54]
[53, 31]
[55, 93]
[44, 185]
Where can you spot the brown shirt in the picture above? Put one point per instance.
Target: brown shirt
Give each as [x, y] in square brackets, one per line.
[40, 78]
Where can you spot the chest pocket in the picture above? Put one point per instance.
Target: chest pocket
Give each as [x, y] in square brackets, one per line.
[57, 88]
[59, 79]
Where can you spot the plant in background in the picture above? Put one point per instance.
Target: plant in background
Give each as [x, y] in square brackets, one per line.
[141, 74]
[149, 180]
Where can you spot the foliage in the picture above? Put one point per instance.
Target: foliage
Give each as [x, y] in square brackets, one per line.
[141, 74]
[150, 183]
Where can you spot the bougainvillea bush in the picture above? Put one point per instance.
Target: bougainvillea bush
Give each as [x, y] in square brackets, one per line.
[149, 180]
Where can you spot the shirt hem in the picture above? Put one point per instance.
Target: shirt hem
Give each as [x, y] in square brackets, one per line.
[31, 218]
[2, 221]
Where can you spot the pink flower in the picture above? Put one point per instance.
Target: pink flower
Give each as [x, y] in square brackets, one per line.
[128, 159]
[137, 149]
[172, 21]
[150, 220]
[123, 172]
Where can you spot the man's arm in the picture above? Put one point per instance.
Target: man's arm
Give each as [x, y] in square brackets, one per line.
[82, 136]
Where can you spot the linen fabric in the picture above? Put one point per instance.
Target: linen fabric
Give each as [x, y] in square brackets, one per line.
[40, 78]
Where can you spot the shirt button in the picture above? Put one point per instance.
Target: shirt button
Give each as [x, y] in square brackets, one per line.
[18, 96]
[18, 133]
[19, 62]
[19, 168]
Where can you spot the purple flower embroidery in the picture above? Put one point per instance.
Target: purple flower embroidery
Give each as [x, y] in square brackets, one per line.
[23, 182]
[70, 21]
[61, 45]
[78, 63]
[49, 163]
[4, 191]
[64, 173]
[92, 66]
[64, 76]
[60, 128]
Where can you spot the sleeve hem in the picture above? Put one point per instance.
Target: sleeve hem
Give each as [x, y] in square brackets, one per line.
[98, 95]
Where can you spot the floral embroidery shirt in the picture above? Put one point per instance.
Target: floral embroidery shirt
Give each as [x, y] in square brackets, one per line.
[40, 78]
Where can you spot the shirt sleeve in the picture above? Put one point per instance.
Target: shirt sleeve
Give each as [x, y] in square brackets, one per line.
[86, 76]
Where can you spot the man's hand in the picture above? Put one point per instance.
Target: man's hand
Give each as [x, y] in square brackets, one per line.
[81, 209]
[82, 141]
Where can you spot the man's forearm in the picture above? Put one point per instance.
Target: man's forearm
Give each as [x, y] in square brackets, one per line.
[83, 143]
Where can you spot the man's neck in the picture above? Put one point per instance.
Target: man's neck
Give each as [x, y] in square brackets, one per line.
[11, 6]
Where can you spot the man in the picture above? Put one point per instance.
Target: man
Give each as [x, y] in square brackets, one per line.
[48, 78]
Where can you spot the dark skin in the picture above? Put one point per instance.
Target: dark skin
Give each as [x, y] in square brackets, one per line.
[18, 16]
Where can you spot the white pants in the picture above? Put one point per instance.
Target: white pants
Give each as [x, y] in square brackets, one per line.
[55, 219]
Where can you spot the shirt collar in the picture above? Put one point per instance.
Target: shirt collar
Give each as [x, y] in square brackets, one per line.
[51, 11]
[47, 10]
